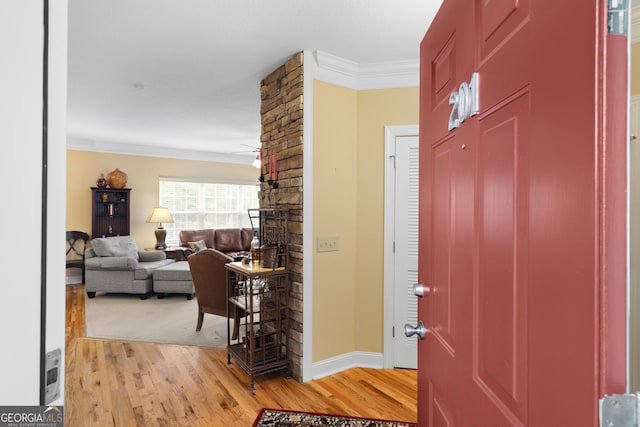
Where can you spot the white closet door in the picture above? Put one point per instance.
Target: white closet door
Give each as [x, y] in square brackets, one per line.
[406, 250]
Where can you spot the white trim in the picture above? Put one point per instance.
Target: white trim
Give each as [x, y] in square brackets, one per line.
[390, 135]
[633, 316]
[343, 72]
[307, 215]
[82, 144]
[634, 100]
[57, 190]
[355, 359]
[208, 180]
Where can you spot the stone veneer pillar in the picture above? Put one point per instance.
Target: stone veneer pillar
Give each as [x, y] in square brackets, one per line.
[282, 133]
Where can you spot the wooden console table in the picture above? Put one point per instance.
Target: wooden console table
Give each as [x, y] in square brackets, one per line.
[179, 253]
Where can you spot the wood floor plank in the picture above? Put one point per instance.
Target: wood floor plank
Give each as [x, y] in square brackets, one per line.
[120, 383]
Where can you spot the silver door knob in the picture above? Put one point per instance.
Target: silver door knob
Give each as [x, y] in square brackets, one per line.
[420, 290]
[419, 330]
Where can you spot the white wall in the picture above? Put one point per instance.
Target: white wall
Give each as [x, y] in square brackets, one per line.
[57, 182]
[21, 77]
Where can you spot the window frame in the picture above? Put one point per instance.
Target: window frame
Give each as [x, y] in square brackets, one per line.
[173, 229]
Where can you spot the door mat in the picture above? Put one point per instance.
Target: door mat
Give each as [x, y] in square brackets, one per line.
[284, 418]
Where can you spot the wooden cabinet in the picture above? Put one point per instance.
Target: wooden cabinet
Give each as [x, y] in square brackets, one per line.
[260, 290]
[110, 212]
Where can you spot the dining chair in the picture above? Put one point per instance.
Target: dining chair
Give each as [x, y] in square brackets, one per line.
[77, 242]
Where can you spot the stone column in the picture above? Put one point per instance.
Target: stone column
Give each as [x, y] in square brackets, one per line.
[282, 133]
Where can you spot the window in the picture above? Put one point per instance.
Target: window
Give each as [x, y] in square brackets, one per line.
[198, 205]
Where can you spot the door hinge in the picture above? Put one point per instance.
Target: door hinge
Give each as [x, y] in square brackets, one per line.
[394, 247]
[394, 160]
[619, 410]
[393, 332]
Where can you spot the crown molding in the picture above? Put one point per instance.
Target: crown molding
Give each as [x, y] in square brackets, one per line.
[635, 24]
[343, 72]
[85, 144]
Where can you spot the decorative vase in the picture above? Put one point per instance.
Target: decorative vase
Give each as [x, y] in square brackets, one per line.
[101, 182]
[117, 179]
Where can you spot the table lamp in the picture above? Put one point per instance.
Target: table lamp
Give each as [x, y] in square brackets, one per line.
[160, 215]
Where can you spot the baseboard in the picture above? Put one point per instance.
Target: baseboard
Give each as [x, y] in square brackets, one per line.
[355, 359]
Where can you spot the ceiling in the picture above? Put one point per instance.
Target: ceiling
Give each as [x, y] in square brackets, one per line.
[181, 78]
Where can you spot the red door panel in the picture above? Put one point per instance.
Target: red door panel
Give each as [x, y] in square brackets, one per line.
[497, 21]
[440, 413]
[500, 322]
[440, 316]
[443, 78]
[521, 231]
[446, 67]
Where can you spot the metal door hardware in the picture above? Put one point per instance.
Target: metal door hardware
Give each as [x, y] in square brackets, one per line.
[420, 290]
[619, 410]
[419, 330]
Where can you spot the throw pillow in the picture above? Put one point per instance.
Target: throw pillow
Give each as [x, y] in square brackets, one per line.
[197, 246]
[123, 246]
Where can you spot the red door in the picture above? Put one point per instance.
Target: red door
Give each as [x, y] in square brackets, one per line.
[522, 214]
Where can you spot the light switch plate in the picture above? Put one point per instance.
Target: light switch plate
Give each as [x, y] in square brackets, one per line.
[328, 244]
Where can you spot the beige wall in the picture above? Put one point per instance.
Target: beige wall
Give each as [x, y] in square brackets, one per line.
[376, 109]
[348, 177]
[85, 167]
[334, 214]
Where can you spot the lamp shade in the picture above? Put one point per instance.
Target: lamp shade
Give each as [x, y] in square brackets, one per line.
[160, 215]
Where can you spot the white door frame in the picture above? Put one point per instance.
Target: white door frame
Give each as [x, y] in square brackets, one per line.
[390, 134]
[633, 256]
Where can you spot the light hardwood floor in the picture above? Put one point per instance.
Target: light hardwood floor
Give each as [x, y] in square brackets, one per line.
[120, 383]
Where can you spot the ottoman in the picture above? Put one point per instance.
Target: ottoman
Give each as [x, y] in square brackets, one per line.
[174, 278]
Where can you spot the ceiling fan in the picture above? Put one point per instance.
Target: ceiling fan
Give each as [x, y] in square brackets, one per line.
[256, 163]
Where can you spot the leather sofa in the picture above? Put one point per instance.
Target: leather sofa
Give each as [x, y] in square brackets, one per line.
[233, 242]
[114, 264]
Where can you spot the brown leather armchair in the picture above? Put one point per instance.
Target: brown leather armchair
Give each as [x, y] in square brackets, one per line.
[209, 277]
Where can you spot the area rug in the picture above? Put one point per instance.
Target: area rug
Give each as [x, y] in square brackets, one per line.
[170, 320]
[283, 418]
